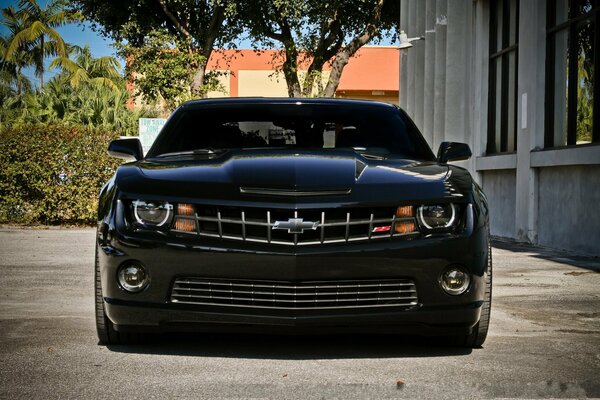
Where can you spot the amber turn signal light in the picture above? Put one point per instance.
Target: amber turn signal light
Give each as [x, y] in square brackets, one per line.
[404, 212]
[185, 209]
[185, 225]
[405, 227]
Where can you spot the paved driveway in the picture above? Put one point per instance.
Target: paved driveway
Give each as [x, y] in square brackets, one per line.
[544, 340]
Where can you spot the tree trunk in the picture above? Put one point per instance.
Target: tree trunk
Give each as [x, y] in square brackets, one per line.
[42, 64]
[212, 33]
[290, 71]
[343, 55]
[198, 80]
[314, 71]
[337, 67]
[19, 82]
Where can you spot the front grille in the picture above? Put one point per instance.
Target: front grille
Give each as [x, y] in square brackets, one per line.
[329, 226]
[295, 295]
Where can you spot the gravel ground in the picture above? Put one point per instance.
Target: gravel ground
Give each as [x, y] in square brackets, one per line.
[544, 340]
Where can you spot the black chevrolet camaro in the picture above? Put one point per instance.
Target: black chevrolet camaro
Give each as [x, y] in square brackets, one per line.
[292, 215]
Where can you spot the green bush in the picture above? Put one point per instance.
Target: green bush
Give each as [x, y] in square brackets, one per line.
[52, 174]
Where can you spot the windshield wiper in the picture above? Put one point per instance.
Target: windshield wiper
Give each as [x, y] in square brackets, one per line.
[204, 151]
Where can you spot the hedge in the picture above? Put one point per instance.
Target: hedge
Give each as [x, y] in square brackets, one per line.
[52, 174]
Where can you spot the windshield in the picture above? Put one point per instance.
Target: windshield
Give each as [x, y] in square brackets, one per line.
[365, 128]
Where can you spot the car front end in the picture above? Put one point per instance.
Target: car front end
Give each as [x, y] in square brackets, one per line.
[293, 240]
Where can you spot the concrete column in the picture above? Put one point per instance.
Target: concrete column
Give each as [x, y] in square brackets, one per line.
[480, 71]
[419, 54]
[457, 69]
[411, 58]
[530, 125]
[429, 71]
[403, 59]
[439, 74]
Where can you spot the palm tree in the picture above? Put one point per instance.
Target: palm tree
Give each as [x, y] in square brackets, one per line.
[85, 69]
[11, 71]
[38, 32]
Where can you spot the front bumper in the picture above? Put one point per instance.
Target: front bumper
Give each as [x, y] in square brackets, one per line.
[422, 261]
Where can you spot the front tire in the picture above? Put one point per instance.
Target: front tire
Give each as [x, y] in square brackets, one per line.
[477, 337]
[104, 326]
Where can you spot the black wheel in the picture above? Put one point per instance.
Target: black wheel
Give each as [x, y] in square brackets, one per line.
[480, 331]
[106, 331]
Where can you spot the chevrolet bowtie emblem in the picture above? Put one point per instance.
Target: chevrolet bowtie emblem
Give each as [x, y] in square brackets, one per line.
[296, 225]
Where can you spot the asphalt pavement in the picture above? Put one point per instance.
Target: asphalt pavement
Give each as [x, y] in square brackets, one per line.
[544, 340]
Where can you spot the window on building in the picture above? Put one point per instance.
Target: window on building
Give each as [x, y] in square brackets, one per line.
[502, 104]
[572, 54]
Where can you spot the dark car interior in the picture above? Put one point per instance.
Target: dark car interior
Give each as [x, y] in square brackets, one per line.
[289, 126]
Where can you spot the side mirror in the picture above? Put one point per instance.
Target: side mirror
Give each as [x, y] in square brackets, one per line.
[126, 149]
[453, 151]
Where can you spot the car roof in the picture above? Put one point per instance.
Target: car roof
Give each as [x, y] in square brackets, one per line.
[284, 100]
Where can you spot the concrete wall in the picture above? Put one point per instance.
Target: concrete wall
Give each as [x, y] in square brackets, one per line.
[568, 208]
[262, 83]
[500, 187]
[536, 195]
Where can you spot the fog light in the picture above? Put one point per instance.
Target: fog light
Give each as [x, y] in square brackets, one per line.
[455, 280]
[133, 277]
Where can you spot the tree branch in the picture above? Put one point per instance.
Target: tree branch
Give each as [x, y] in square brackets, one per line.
[173, 18]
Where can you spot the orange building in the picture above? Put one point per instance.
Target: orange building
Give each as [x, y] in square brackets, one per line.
[373, 73]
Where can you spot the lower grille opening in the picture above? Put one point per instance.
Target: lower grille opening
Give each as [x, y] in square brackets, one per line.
[295, 295]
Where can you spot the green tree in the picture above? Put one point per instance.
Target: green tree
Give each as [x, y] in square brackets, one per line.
[38, 33]
[318, 32]
[85, 69]
[163, 69]
[193, 26]
[11, 70]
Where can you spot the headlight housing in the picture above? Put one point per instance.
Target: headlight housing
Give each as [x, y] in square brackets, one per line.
[437, 217]
[152, 213]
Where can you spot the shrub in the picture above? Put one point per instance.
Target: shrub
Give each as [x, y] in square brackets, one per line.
[52, 174]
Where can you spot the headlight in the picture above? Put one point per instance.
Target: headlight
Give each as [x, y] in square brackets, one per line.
[437, 217]
[152, 213]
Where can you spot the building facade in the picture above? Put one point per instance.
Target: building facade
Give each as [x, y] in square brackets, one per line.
[372, 73]
[516, 81]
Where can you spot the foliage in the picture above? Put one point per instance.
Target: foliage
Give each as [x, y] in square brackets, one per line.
[585, 84]
[88, 91]
[163, 69]
[87, 105]
[37, 34]
[85, 69]
[314, 32]
[52, 173]
[193, 26]
[585, 102]
[12, 78]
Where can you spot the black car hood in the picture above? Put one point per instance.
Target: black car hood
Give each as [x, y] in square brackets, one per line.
[288, 176]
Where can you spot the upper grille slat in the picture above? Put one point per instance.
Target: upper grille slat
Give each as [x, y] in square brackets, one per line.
[254, 224]
[295, 295]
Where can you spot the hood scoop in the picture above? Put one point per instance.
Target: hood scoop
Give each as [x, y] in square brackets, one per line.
[293, 193]
[359, 168]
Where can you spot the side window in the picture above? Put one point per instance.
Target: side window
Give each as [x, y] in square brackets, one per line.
[502, 99]
[572, 47]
